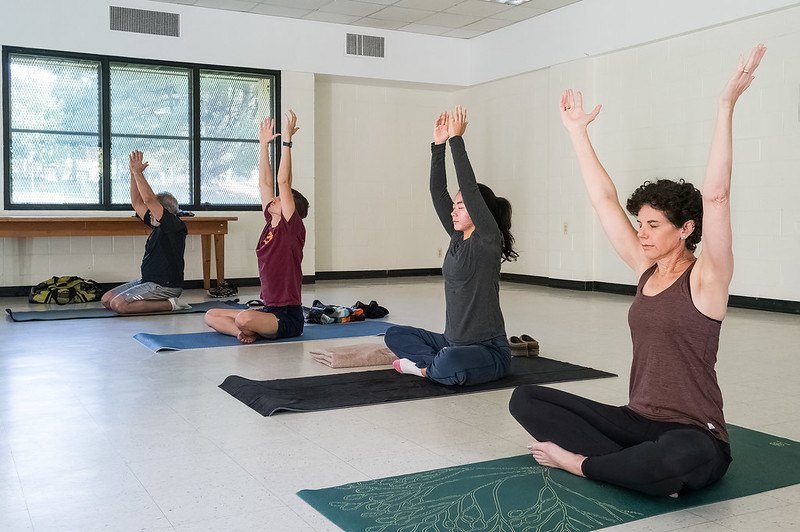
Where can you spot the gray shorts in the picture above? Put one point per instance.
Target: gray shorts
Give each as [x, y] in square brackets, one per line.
[138, 291]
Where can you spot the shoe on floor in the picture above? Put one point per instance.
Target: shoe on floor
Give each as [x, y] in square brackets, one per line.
[533, 345]
[223, 289]
[519, 348]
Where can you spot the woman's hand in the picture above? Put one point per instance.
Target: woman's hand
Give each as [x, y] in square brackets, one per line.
[743, 77]
[457, 122]
[440, 134]
[289, 127]
[572, 115]
[266, 131]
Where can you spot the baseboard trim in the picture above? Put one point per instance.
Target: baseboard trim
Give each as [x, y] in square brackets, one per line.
[745, 302]
[377, 274]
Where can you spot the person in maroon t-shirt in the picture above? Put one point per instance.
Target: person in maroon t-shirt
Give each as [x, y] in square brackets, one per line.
[279, 249]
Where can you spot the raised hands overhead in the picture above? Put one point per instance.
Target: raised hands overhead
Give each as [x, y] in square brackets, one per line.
[743, 76]
[266, 131]
[440, 134]
[572, 115]
[457, 122]
[289, 125]
[142, 196]
[266, 134]
[136, 162]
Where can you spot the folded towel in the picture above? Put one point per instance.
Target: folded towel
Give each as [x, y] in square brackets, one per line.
[350, 356]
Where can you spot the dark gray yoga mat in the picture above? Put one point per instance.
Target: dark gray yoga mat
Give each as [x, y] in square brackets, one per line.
[323, 392]
[518, 494]
[67, 313]
[311, 331]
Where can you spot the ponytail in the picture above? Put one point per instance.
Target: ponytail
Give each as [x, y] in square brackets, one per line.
[501, 211]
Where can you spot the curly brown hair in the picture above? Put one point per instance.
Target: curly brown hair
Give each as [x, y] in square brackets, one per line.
[678, 200]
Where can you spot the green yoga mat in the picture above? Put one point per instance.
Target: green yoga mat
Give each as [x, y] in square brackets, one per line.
[517, 494]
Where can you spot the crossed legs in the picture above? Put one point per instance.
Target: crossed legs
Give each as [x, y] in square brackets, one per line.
[246, 325]
[616, 445]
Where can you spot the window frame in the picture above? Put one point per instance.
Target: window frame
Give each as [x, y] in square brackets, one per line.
[104, 102]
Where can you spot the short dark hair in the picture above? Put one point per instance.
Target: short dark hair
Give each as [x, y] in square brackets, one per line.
[678, 200]
[300, 203]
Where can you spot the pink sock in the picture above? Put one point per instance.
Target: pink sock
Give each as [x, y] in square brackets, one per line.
[404, 365]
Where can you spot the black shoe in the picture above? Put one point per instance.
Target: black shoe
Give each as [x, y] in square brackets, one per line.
[224, 289]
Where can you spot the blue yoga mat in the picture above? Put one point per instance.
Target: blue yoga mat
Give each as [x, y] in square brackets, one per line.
[100, 312]
[311, 331]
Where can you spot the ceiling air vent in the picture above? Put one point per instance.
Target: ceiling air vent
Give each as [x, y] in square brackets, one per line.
[366, 45]
[141, 21]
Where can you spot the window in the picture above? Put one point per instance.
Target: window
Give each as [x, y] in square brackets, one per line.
[70, 122]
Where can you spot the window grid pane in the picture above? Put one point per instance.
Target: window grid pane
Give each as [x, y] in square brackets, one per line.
[169, 167]
[231, 105]
[150, 112]
[55, 130]
[56, 145]
[54, 169]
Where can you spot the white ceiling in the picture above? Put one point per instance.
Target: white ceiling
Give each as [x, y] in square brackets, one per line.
[461, 19]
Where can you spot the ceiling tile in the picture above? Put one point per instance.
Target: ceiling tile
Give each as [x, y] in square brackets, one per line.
[517, 14]
[477, 8]
[431, 5]
[463, 34]
[336, 18]
[231, 5]
[298, 4]
[181, 2]
[488, 24]
[350, 7]
[379, 23]
[429, 17]
[448, 20]
[548, 5]
[401, 14]
[425, 29]
[280, 11]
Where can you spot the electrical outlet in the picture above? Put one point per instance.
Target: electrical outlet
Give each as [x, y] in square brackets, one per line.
[566, 228]
[440, 253]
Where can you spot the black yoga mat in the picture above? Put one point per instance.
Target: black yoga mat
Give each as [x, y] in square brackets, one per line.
[325, 392]
[74, 313]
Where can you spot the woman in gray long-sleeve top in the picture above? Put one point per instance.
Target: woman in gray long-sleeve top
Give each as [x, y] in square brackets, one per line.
[474, 348]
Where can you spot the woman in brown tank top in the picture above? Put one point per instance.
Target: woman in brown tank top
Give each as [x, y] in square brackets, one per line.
[671, 436]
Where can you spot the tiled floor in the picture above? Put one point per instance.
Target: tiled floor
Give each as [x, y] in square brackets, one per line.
[99, 433]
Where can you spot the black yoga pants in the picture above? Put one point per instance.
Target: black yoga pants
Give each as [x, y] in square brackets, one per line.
[621, 446]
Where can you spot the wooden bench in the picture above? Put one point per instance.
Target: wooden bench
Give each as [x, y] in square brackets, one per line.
[205, 226]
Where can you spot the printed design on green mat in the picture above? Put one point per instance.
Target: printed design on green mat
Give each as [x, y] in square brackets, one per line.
[427, 502]
[514, 493]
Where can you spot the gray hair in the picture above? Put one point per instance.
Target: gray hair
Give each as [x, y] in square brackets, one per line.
[168, 201]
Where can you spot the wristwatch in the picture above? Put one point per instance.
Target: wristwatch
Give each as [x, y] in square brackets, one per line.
[288, 144]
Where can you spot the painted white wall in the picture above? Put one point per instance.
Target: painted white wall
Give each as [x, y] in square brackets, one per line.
[659, 104]
[362, 153]
[217, 37]
[593, 27]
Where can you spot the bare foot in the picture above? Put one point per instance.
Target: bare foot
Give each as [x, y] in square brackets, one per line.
[246, 338]
[551, 455]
